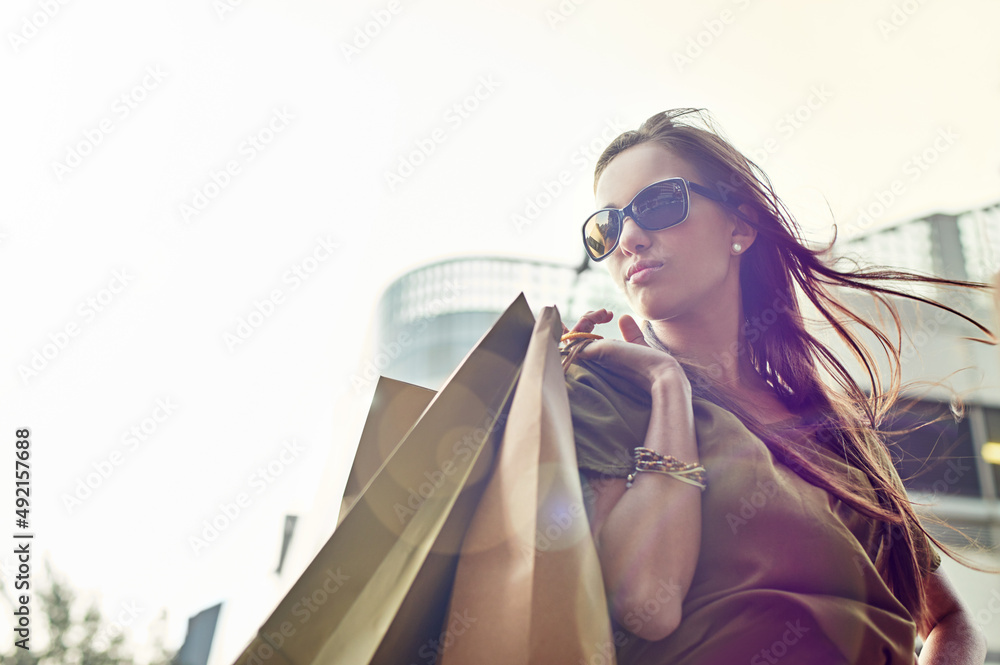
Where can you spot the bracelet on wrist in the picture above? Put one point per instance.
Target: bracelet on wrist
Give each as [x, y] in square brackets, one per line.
[668, 465]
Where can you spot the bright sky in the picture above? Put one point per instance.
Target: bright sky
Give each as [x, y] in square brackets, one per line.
[170, 168]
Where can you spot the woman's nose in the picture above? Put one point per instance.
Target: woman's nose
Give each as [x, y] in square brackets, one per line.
[634, 238]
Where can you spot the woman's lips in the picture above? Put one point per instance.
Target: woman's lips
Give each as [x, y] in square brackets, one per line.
[642, 273]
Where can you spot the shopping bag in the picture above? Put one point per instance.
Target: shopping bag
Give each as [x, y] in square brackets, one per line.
[528, 587]
[377, 591]
[396, 406]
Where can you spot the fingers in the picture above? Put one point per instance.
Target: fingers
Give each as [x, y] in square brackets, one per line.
[631, 332]
[591, 319]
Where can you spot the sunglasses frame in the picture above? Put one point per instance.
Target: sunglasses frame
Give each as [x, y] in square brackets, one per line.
[621, 214]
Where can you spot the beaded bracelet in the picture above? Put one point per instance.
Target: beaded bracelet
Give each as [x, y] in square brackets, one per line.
[649, 460]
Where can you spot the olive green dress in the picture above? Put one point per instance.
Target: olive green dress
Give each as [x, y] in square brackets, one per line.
[785, 572]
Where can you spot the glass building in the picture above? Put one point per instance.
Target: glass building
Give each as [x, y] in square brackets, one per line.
[429, 318]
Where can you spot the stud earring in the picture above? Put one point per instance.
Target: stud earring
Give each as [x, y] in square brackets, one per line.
[737, 247]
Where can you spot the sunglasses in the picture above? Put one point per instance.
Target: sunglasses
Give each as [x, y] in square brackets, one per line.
[659, 206]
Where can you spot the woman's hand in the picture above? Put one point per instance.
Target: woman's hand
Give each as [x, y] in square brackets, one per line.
[632, 359]
[590, 319]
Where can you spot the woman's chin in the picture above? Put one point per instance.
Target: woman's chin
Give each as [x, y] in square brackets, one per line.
[653, 311]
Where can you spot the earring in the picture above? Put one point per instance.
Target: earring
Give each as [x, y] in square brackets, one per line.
[737, 247]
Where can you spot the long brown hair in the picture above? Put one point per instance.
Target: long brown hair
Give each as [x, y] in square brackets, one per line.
[790, 359]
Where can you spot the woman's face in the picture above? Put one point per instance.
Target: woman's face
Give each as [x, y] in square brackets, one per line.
[685, 270]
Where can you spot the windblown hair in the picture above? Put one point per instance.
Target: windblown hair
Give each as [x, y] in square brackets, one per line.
[790, 359]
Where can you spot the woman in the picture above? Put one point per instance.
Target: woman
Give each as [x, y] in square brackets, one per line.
[803, 544]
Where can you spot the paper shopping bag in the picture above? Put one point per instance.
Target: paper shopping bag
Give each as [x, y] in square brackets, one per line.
[528, 585]
[377, 591]
[396, 406]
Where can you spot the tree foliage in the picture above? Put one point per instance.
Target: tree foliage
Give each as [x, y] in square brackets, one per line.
[73, 638]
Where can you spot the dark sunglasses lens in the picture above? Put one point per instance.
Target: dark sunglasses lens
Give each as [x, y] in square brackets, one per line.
[661, 205]
[600, 234]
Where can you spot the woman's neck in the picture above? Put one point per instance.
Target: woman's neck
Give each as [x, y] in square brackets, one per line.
[724, 360]
[719, 349]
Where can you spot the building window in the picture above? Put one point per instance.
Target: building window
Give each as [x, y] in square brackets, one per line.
[939, 457]
[991, 447]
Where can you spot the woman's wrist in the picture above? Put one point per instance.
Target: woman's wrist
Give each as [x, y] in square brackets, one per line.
[671, 421]
[670, 387]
